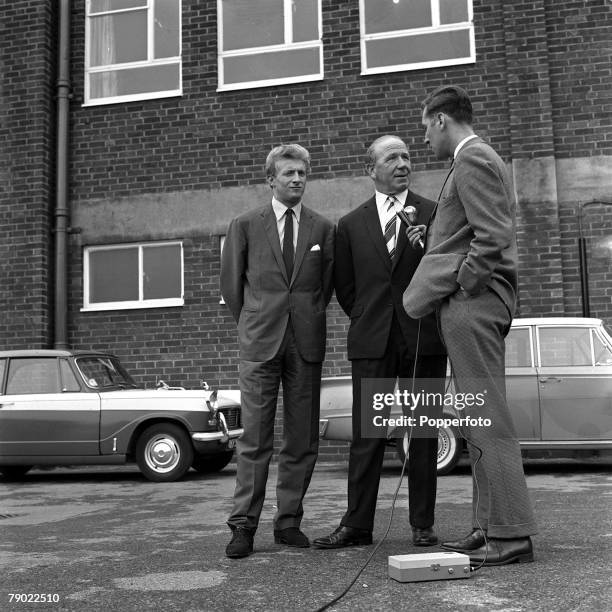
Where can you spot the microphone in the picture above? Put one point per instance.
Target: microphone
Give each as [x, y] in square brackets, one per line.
[408, 217]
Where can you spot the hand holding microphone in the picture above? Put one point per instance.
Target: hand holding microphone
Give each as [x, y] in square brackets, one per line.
[408, 217]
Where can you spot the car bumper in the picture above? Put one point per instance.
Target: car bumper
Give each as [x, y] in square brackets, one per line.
[209, 442]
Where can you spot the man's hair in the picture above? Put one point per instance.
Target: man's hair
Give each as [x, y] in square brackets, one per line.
[370, 157]
[451, 100]
[288, 151]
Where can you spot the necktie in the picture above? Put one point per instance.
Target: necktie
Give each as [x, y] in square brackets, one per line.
[390, 226]
[288, 242]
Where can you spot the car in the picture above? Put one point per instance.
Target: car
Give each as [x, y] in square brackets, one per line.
[73, 407]
[558, 386]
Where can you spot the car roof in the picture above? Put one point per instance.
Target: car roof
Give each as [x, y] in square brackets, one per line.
[571, 321]
[50, 353]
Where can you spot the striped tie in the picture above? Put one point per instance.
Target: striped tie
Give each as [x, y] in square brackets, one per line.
[390, 226]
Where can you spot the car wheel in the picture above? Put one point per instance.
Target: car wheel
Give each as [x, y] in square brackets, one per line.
[449, 449]
[207, 464]
[14, 472]
[164, 452]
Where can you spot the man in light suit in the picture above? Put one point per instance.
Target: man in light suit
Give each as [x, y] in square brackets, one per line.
[374, 264]
[468, 275]
[277, 279]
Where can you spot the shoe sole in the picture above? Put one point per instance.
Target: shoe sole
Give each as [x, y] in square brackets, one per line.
[425, 543]
[524, 558]
[332, 546]
[281, 541]
[238, 556]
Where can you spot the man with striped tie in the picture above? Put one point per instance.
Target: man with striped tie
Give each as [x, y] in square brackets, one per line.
[374, 263]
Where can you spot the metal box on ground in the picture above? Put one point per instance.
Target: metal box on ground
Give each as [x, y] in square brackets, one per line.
[429, 566]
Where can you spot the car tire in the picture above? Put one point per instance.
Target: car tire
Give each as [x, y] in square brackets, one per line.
[14, 472]
[208, 464]
[164, 452]
[449, 449]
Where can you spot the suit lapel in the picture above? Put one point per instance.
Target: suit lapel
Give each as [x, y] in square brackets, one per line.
[304, 230]
[433, 213]
[271, 229]
[372, 222]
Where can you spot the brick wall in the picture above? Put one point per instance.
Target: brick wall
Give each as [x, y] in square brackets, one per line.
[26, 181]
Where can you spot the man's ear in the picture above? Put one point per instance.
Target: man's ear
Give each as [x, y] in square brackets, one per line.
[369, 168]
[270, 180]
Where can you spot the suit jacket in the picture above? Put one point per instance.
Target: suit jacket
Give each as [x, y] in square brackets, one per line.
[369, 286]
[255, 286]
[471, 240]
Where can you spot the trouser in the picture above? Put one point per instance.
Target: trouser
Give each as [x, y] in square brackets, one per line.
[366, 454]
[473, 329]
[259, 386]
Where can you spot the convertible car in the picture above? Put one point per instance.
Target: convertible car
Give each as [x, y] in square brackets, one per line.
[81, 408]
[558, 384]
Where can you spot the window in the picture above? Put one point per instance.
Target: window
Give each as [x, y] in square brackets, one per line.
[133, 276]
[565, 346]
[518, 348]
[132, 50]
[70, 383]
[414, 34]
[602, 352]
[32, 375]
[268, 42]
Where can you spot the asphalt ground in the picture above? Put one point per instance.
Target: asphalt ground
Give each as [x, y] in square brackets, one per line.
[106, 539]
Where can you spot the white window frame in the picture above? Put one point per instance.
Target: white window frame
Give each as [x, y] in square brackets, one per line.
[288, 45]
[150, 61]
[435, 27]
[131, 304]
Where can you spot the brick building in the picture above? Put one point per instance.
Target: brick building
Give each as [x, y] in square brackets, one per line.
[175, 104]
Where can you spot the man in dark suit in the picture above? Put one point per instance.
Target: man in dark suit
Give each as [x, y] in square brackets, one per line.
[277, 279]
[469, 276]
[374, 263]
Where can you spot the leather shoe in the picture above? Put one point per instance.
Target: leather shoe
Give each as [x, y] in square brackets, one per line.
[241, 544]
[291, 536]
[502, 552]
[474, 540]
[424, 537]
[344, 536]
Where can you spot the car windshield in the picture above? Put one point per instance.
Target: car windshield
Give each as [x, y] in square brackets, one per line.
[105, 372]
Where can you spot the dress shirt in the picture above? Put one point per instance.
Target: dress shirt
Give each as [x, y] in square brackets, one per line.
[460, 145]
[279, 213]
[381, 205]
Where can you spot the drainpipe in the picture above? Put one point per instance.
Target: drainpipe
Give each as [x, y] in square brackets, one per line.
[61, 178]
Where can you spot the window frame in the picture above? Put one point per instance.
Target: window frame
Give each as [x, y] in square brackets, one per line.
[150, 61]
[286, 46]
[435, 27]
[131, 304]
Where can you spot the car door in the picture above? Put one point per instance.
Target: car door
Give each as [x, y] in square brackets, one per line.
[522, 391]
[575, 386]
[45, 413]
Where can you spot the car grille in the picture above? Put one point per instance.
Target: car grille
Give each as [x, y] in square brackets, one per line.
[232, 417]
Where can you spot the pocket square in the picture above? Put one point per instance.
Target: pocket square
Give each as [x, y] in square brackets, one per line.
[315, 247]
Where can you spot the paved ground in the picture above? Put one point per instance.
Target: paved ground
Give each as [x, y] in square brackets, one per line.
[105, 539]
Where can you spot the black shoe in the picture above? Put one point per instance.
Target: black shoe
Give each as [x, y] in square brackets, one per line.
[424, 537]
[241, 544]
[474, 540]
[503, 552]
[344, 536]
[291, 536]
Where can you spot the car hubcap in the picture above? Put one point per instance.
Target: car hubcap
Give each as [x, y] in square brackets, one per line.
[162, 453]
[444, 445]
